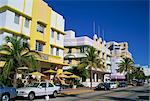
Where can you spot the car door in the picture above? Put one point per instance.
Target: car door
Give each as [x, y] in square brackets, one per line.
[50, 89]
[42, 89]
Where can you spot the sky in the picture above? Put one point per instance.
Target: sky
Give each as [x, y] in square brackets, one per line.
[121, 20]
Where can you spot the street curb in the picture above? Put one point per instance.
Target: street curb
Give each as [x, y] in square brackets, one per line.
[90, 91]
[77, 92]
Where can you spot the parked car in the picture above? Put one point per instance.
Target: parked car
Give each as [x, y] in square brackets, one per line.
[38, 89]
[103, 86]
[122, 84]
[7, 93]
[113, 85]
[139, 83]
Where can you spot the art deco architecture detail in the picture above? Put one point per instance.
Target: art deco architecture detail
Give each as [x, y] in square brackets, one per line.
[118, 51]
[42, 26]
[75, 49]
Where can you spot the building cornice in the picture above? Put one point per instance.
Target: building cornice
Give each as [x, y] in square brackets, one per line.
[57, 46]
[57, 30]
[13, 32]
[7, 7]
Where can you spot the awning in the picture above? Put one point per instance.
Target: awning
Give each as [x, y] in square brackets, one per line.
[63, 76]
[37, 74]
[23, 68]
[115, 76]
[67, 73]
[2, 63]
[50, 71]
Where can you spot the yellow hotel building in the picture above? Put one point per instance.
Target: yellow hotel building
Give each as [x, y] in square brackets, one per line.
[43, 27]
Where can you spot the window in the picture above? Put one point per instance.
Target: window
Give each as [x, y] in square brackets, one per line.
[43, 85]
[70, 50]
[1, 85]
[69, 61]
[58, 36]
[50, 85]
[123, 48]
[40, 28]
[39, 46]
[117, 48]
[26, 23]
[52, 34]
[108, 57]
[82, 50]
[52, 50]
[57, 52]
[103, 55]
[17, 18]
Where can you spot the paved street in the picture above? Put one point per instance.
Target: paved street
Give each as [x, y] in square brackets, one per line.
[120, 94]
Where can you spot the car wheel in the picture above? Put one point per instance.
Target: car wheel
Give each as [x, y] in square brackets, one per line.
[54, 94]
[31, 96]
[5, 97]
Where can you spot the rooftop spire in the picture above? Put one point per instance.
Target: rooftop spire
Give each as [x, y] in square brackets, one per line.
[98, 31]
[93, 27]
[103, 35]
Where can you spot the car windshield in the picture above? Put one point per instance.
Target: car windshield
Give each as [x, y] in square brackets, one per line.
[100, 84]
[34, 85]
[1, 85]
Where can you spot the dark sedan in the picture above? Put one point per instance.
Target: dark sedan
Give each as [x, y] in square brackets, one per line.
[103, 86]
[122, 84]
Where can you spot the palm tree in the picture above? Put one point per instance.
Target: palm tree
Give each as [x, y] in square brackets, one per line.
[16, 53]
[126, 65]
[138, 74]
[92, 60]
[81, 72]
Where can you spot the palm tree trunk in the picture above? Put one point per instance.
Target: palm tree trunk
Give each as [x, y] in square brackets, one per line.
[15, 79]
[128, 79]
[91, 78]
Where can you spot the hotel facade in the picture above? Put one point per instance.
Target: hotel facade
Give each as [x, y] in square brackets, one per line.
[118, 51]
[42, 26]
[44, 31]
[75, 50]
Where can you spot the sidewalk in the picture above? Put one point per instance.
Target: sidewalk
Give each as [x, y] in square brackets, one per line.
[76, 91]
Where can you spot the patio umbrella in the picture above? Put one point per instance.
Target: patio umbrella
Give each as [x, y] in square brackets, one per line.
[74, 76]
[2, 63]
[67, 73]
[63, 76]
[37, 74]
[22, 68]
[50, 71]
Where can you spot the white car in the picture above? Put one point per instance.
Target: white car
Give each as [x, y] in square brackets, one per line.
[38, 89]
[113, 85]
